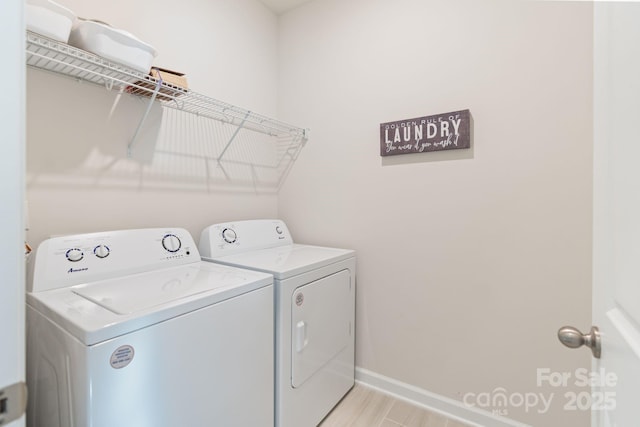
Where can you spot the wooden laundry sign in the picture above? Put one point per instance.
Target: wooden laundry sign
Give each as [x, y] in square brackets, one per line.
[448, 131]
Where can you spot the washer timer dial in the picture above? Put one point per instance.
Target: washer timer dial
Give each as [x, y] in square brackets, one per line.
[74, 255]
[171, 243]
[229, 235]
[101, 251]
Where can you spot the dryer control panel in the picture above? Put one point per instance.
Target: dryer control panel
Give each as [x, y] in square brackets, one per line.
[235, 237]
[71, 260]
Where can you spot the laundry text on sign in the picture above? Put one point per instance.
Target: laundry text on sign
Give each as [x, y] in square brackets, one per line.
[431, 133]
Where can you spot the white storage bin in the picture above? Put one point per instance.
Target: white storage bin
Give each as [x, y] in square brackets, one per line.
[112, 43]
[49, 19]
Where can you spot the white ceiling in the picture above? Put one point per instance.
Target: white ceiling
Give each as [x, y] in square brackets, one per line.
[281, 6]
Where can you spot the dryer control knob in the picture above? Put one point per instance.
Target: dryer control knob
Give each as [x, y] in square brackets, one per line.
[278, 229]
[229, 235]
[74, 255]
[171, 242]
[101, 251]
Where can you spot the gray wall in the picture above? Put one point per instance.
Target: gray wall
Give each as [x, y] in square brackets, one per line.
[468, 261]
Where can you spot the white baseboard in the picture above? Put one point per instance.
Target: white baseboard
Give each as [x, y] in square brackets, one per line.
[434, 402]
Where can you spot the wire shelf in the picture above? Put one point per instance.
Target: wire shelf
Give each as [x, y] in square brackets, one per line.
[47, 54]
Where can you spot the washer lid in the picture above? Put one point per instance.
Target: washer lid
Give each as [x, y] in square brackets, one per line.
[286, 261]
[134, 294]
[99, 311]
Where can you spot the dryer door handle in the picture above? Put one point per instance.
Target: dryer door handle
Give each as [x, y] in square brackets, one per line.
[301, 336]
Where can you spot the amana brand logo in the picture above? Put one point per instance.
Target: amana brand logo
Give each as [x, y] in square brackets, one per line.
[76, 270]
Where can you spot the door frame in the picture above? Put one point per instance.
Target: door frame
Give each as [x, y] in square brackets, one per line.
[12, 178]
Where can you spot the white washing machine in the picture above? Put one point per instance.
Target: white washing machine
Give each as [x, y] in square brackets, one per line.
[314, 312]
[131, 328]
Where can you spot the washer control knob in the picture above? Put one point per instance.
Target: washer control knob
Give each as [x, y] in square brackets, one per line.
[278, 229]
[229, 235]
[101, 251]
[74, 255]
[171, 243]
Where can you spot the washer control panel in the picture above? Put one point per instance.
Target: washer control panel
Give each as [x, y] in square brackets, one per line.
[241, 236]
[70, 260]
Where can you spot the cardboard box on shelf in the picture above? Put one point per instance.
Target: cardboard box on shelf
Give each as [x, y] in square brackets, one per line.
[174, 84]
[170, 77]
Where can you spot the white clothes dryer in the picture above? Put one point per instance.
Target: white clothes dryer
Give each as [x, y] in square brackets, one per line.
[131, 328]
[314, 312]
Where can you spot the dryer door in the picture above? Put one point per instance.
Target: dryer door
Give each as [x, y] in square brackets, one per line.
[321, 328]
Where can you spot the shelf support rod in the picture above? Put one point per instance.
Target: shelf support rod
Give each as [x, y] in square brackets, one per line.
[144, 117]
[234, 135]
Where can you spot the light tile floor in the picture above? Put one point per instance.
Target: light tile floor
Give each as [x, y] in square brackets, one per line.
[365, 407]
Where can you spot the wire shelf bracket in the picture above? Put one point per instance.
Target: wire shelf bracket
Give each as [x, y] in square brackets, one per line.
[144, 118]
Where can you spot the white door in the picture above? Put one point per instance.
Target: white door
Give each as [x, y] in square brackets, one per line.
[616, 273]
[12, 122]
